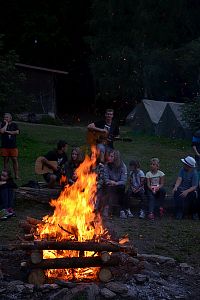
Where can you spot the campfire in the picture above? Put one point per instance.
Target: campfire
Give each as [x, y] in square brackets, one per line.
[72, 243]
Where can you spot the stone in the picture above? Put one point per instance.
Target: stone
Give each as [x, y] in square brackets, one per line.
[107, 293]
[117, 287]
[140, 278]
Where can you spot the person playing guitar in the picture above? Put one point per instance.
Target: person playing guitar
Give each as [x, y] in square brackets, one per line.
[103, 132]
[55, 170]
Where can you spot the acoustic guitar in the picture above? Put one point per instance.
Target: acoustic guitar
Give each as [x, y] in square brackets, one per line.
[41, 168]
[94, 137]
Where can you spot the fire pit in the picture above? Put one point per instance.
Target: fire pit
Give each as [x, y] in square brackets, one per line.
[72, 243]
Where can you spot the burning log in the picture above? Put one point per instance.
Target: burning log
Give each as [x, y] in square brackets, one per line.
[73, 262]
[81, 246]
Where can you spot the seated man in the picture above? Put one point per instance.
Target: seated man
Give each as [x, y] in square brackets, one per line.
[185, 189]
[56, 169]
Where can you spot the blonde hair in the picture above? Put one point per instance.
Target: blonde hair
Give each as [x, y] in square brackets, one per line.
[155, 160]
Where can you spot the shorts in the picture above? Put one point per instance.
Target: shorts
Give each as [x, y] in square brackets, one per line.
[9, 152]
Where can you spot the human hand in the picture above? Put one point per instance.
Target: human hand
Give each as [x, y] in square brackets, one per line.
[184, 194]
[174, 190]
[155, 188]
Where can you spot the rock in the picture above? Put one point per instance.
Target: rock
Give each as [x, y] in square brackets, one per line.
[151, 274]
[61, 294]
[140, 278]
[107, 293]
[157, 258]
[117, 287]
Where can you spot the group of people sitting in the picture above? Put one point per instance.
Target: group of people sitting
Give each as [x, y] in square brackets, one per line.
[119, 186]
[117, 183]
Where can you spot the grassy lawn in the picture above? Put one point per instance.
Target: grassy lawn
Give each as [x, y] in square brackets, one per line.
[36, 140]
[179, 239]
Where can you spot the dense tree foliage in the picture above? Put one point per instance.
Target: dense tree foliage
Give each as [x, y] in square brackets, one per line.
[10, 94]
[132, 48]
[145, 48]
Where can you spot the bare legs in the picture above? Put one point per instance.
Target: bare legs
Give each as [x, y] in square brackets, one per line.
[15, 165]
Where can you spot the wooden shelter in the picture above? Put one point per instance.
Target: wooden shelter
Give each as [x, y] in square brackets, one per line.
[40, 88]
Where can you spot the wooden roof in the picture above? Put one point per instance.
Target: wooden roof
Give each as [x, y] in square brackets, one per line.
[41, 69]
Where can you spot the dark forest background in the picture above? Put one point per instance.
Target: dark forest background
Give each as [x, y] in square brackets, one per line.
[116, 52]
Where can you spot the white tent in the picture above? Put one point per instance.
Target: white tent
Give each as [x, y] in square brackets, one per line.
[171, 123]
[159, 118]
[146, 115]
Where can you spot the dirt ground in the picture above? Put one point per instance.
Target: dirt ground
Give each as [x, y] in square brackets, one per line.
[147, 237]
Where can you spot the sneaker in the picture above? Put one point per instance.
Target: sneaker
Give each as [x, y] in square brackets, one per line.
[3, 214]
[11, 212]
[161, 212]
[123, 215]
[142, 214]
[151, 216]
[129, 213]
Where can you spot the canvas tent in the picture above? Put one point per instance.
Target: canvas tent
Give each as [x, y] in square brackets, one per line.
[171, 123]
[158, 118]
[145, 116]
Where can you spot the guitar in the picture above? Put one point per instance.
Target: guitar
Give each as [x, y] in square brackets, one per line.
[94, 137]
[41, 168]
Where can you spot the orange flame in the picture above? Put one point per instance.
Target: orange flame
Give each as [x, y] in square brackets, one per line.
[74, 219]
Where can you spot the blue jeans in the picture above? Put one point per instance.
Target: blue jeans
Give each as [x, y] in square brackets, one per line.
[155, 200]
[185, 204]
[6, 197]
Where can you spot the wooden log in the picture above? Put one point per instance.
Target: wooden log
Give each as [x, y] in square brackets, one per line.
[33, 221]
[29, 237]
[36, 277]
[36, 256]
[71, 245]
[26, 226]
[105, 275]
[105, 256]
[73, 262]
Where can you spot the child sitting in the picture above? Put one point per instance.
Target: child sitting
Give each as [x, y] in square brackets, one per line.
[136, 185]
[185, 189]
[7, 186]
[155, 191]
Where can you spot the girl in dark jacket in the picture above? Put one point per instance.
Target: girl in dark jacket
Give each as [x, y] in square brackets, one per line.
[7, 186]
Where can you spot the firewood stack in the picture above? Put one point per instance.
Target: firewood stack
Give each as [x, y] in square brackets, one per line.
[108, 255]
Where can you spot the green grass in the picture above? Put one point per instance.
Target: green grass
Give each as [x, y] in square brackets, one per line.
[35, 140]
[179, 239]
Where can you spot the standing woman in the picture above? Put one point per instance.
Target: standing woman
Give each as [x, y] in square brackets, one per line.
[9, 130]
[115, 172]
[77, 157]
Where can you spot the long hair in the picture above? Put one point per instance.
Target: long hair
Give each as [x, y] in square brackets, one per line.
[117, 162]
[80, 155]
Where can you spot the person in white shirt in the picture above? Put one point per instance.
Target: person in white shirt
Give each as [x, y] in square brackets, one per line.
[155, 189]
